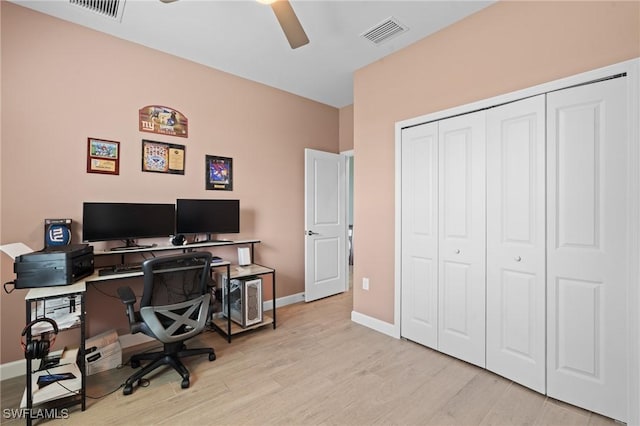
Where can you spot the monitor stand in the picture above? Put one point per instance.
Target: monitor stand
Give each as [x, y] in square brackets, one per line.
[131, 244]
[212, 239]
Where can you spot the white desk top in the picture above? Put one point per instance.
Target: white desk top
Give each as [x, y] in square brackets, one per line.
[184, 247]
[62, 290]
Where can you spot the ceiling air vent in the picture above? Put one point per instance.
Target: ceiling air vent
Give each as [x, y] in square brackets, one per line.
[385, 30]
[107, 8]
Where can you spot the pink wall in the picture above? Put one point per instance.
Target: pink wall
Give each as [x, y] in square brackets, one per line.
[346, 128]
[506, 47]
[62, 83]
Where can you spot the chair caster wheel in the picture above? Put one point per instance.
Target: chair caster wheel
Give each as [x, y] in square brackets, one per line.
[135, 364]
[184, 384]
[212, 357]
[127, 390]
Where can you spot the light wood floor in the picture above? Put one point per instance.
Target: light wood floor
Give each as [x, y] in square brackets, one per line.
[318, 367]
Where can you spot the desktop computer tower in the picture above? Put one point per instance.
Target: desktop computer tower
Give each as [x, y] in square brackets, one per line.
[245, 297]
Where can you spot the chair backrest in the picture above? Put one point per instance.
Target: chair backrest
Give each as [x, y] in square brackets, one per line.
[175, 299]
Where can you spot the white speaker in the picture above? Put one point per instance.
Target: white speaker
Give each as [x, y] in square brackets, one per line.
[244, 256]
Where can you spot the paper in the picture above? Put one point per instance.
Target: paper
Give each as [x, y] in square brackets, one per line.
[14, 250]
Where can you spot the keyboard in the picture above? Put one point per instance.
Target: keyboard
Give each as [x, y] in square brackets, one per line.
[120, 269]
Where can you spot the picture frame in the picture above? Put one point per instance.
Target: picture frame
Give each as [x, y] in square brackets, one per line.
[219, 173]
[163, 120]
[162, 157]
[103, 156]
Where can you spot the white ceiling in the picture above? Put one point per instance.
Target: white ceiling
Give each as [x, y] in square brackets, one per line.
[244, 38]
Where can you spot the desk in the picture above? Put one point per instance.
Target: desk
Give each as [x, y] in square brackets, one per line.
[224, 326]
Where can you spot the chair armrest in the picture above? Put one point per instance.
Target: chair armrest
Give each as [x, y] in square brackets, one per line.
[126, 295]
[128, 298]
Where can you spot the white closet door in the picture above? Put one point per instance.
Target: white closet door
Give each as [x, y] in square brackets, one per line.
[516, 242]
[587, 247]
[461, 274]
[419, 320]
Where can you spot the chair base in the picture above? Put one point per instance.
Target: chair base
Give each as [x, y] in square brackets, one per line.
[171, 355]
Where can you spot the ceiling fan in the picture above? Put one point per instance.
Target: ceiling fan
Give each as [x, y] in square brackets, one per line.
[288, 21]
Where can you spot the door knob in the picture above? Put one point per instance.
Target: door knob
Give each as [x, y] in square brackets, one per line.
[457, 251]
[517, 258]
[311, 233]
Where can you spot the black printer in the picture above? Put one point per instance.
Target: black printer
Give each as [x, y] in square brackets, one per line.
[53, 266]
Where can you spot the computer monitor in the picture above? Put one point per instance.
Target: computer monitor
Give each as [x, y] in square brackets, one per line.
[127, 222]
[207, 217]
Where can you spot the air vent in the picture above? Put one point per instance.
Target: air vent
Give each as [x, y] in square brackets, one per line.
[107, 8]
[384, 31]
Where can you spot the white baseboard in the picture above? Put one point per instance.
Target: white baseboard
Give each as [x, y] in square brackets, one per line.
[375, 324]
[129, 340]
[13, 369]
[283, 301]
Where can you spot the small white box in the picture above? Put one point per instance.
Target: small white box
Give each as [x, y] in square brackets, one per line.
[103, 352]
[104, 359]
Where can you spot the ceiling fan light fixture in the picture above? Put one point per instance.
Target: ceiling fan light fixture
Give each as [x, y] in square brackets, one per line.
[266, 1]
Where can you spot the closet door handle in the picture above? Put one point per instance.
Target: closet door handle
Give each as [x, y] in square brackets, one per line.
[457, 251]
[517, 258]
[311, 233]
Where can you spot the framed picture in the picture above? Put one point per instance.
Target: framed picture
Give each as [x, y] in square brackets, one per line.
[103, 156]
[163, 120]
[219, 173]
[160, 157]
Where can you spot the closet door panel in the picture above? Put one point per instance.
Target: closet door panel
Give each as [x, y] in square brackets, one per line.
[462, 237]
[516, 242]
[419, 298]
[587, 246]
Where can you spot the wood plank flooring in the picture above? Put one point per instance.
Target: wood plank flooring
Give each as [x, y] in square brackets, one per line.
[317, 367]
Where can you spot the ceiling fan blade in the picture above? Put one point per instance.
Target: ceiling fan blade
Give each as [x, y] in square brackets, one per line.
[290, 24]
[167, 1]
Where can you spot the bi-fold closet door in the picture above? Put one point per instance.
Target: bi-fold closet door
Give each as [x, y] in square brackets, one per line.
[473, 238]
[516, 241]
[588, 246]
[443, 236]
[542, 289]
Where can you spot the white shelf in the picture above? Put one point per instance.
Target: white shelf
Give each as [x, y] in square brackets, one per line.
[56, 390]
[172, 247]
[238, 271]
[221, 322]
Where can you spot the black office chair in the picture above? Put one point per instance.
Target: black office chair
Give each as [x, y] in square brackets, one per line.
[174, 307]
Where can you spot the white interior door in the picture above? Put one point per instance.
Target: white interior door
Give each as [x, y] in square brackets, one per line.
[587, 246]
[461, 293]
[325, 224]
[419, 292]
[516, 242]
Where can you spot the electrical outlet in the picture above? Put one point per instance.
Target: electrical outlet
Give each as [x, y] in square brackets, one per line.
[365, 283]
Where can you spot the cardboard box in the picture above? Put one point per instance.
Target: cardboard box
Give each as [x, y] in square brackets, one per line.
[103, 352]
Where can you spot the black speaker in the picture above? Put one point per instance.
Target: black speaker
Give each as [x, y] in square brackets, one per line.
[38, 348]
[179, 240]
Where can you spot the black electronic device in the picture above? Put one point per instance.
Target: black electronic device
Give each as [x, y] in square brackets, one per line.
[38, 348]
[54, 266]
[127, 222]
[47, 379]
[207, 217]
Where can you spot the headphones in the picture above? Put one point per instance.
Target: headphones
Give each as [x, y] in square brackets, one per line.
[38, 348]
[179, 240]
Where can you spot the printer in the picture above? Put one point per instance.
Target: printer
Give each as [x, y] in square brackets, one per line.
[54, 266]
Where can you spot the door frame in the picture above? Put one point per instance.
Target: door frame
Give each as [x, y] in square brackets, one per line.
[632, 70]
[349, 154]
